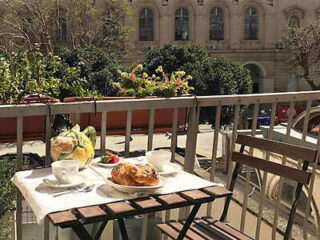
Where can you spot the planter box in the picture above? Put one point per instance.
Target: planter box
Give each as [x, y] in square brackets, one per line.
[116, 121]
[33, 127]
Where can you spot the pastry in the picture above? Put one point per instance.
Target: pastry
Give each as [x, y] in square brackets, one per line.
[135, 175]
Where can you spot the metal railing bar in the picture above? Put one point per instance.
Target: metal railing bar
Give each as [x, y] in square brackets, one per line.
[214, 151]
[265, 174]
[48, 141]
[150, 129]
[103, 133]
[174, 132]
[77, 118]
[128, 134]
[248, 175]
[284, 160]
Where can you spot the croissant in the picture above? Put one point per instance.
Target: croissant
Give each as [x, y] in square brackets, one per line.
[135, 175]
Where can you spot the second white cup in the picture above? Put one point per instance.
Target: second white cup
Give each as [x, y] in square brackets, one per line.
[159, 159]
[65, 170]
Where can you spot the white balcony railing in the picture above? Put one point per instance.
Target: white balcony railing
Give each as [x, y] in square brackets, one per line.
[194, 105]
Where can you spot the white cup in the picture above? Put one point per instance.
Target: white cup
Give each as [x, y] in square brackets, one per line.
[65, 170]
[159, 159]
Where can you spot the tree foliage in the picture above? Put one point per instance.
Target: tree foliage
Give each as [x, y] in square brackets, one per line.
[97, 66]
[88, 22]
[34, 74]
[7, 197]
[303, 45]
[211, 76]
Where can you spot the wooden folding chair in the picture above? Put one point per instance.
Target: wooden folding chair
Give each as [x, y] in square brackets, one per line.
[208, 228]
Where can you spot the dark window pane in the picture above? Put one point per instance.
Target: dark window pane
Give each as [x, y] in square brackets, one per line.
[216, 24]
[251, 20]
[146, 25]
[293, 22]
[181, 24]
[62, 30]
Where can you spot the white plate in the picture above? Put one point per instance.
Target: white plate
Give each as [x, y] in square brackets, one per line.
[170, 169]
[106, 165]
[135, 189]
[77, 181]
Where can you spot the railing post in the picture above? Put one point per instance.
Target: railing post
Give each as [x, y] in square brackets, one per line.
[103, 133]
[128, 134]
[191, 143]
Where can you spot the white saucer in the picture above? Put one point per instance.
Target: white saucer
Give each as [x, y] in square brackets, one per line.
[97, 160]
[170, 169]
[77, 181]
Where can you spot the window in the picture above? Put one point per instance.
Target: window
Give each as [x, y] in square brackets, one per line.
[61, 33]
[181, 24]
[251, 24]
[216, 24]
[294, 22]
[62, 30]
[146, 25]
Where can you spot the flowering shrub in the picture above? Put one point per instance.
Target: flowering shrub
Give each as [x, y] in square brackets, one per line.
[34, 74]
[140, 84]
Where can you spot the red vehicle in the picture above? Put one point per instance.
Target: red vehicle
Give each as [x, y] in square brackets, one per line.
[283, 113]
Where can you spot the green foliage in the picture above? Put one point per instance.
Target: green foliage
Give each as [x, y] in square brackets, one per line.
[140, 84]
[97, 66]
[7, 197]
[211, 76]
[34, 74]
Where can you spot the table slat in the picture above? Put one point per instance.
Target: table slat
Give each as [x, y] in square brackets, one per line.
[217, 192]
[195, 195]
[62, 218]
[91, 212]
[120, 208]
[171, 199]
[147, 203]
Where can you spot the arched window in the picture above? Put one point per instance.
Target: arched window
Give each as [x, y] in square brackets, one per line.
[181, 24]
[216, 24]
[61, 34]
[293, 22]
[251, 20]
[146, 25]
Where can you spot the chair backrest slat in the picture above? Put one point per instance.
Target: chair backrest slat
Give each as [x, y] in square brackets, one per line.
[289, 150]
[272, 167]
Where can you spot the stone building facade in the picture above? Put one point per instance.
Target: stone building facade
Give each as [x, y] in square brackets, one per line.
[246, 31]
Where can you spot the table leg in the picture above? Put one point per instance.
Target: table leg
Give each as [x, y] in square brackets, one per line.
[81, 232]
[123, 230]
[188, 222]
[100, 231]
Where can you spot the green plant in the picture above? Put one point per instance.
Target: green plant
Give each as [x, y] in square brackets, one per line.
[34, 74]
[140, 84]
[211, 76]
[97, 66]
[7, 197]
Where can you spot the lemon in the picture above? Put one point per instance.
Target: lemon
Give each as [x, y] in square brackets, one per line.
[80, 155]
